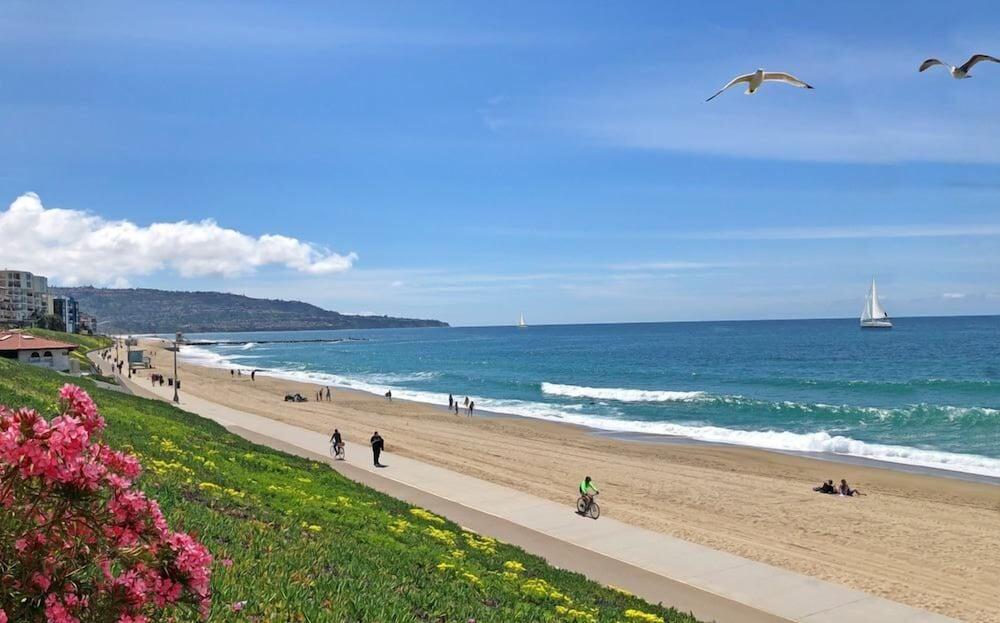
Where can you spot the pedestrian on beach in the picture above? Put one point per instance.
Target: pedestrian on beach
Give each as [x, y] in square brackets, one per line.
[253, 374]
[466, 401]
[328, 399]
[378, 444]
[232, 372]
[456, 407]
[451, 401]
[472, 405]
[388, 395]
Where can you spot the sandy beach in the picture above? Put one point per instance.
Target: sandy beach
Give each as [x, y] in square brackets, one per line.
[924, 540]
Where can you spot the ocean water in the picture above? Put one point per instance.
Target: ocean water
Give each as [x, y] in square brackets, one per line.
[925, 393]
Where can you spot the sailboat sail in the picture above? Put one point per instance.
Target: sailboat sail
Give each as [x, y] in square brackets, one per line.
[873, 314]
[521, 322]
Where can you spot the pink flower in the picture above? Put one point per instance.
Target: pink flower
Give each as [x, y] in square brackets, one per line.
[239, 605]
[226, 562]
[74, 509]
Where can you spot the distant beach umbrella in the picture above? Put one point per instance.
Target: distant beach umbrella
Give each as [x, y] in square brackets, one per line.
[759, 77]
[962, 71]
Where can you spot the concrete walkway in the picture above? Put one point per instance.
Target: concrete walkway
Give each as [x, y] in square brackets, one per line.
[713, 585]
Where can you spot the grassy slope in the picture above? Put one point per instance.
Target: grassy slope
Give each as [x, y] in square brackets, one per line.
[309, 545]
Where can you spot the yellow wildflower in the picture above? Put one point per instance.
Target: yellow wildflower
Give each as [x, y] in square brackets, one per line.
[426, 515]
[578, 616]
[513, 565]
[315, 528]
[445, 536]
[471, 578]
[399, 526]
[485, 544]
[209, 486]
[444, 566]
[639, 615]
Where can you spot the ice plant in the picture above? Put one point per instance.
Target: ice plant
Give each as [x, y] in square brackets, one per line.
[79, 542]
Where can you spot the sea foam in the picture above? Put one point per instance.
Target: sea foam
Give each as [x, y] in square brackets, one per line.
[620, 394]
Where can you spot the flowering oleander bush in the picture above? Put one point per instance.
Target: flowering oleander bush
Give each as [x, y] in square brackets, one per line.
[79, 542]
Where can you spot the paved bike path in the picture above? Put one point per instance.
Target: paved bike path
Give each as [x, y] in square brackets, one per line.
[713, 585]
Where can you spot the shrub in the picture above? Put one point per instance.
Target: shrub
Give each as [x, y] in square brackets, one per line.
[79, 542]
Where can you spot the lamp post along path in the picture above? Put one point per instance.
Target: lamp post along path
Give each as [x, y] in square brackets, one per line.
[176, 347]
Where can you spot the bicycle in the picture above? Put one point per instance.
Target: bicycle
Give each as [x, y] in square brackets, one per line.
[592, 509]
[337, 451]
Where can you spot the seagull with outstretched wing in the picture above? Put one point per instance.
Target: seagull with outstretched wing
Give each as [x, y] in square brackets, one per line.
[962, 71]
[758, 78]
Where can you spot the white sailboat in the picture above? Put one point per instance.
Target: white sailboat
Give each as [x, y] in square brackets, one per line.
[520, 323]
[873, 316]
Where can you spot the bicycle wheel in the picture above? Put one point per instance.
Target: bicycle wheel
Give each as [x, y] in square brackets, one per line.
[595, 510]
[333, 450]
[581, 506]
[341, 454]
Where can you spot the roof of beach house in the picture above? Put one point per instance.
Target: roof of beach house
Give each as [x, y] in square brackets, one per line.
[23, 341]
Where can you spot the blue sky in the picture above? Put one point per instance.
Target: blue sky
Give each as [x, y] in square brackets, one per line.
[480, 159]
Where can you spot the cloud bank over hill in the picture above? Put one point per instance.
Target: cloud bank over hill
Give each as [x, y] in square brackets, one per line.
[74, 247]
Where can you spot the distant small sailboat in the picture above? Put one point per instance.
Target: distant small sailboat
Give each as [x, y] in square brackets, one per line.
[873, 316]
[520, 323]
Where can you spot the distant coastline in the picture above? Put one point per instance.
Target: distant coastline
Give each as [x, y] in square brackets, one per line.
[150, 311]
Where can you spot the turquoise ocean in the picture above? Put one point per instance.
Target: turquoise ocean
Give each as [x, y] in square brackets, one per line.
[926, 393]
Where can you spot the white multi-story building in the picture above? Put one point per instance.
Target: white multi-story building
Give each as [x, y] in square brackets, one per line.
[23, 297]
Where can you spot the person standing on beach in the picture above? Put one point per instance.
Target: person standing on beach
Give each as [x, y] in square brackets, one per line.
[253, 374]
[328, 399]
[466, 403]
[456, 407]
[472, 405]
[451, 401]
[377, 445]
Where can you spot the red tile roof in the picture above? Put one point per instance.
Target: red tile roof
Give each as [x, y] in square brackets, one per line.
[23, 341]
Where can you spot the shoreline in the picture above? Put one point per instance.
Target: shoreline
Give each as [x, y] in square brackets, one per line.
[751, 502]
[626, 435]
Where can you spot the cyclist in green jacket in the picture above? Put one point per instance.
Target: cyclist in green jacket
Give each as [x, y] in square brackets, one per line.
[588, 491]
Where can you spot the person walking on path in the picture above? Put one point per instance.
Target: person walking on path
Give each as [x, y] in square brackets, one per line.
[378, 444]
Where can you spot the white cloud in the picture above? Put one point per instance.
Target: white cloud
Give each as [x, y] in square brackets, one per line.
[953, 295]
[73, 247]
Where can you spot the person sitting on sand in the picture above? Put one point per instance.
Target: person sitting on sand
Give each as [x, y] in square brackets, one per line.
[845, 489]
[826, 487]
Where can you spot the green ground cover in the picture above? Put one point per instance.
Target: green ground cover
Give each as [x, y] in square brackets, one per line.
[295, 541]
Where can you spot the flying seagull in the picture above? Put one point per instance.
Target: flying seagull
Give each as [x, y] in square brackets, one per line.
[758, 78]
[962, 71]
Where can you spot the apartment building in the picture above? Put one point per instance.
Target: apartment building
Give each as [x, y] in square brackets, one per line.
[23, 297]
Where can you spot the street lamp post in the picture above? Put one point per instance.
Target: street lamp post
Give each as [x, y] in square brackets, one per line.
[128, 355]
[176, 348]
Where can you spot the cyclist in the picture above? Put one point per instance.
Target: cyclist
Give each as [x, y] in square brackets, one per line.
[588, 491]
[337, 441]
